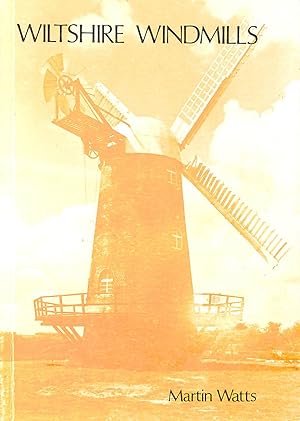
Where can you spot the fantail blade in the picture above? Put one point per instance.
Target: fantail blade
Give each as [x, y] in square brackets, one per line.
[50, 85]
[57, 63]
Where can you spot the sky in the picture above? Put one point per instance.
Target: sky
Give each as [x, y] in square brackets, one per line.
[49, 190]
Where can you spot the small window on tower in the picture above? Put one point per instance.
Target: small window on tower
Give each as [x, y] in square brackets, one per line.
[106, 286]
[177, 242]
[106, 283]
[173, 177]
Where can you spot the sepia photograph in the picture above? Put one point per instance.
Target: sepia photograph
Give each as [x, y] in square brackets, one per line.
[150, 210]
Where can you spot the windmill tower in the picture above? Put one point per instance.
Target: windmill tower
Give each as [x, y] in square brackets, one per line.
[140, 279]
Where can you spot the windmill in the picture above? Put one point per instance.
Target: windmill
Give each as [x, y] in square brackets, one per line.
[140, 271]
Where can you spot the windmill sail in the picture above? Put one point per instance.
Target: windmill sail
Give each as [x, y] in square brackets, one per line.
[259, 234]
[209, 89]
[112, 108]
[115, 112]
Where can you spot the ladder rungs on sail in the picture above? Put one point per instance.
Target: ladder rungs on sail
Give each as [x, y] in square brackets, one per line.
[210, 87]
[112, 108]
[262, 237]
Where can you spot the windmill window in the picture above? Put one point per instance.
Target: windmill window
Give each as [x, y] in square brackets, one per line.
[106, 286]
[106, 283]
[177, 243]
[172, 177]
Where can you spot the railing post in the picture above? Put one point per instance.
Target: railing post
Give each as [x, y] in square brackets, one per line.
[82, 302]
[60, 304]
[227, 306]
[209, 303]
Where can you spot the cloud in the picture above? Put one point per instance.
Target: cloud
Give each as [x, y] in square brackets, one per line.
[111, 12]
[118, 11]
[281, 18]
[205, 51]
[53, 257]
[263, 150]
[258, 156]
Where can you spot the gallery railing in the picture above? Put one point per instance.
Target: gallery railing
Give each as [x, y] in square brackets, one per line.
[207, 306]
[73, 305]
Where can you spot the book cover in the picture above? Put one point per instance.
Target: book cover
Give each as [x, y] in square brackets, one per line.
[150, 215]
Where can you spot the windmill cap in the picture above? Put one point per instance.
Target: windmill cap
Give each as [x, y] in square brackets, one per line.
[149, 135]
